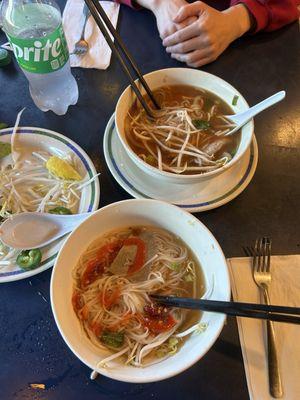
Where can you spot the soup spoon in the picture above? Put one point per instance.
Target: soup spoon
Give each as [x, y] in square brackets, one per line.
[31, 230]
[242, 118]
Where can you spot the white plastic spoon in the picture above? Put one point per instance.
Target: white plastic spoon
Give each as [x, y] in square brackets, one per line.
[31, 230]
[242, 118]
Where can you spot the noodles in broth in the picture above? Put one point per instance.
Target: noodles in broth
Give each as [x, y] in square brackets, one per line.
[187, 134]
[112, 284]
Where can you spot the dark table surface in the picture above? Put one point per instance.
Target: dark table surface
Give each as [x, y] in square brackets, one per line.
[31, 348]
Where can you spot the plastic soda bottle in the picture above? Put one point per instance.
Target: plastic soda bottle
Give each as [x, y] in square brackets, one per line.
[34, 30]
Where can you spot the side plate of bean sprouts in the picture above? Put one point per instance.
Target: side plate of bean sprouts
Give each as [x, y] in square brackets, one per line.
[26, 185]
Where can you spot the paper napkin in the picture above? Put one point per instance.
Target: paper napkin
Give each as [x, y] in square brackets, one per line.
[99, 53]
[284, 290]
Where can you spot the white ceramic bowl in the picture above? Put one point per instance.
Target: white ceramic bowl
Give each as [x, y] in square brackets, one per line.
[140, 212]
[191, 77]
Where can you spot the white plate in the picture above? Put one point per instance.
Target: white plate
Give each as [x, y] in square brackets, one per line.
[195, 197]
[51, 141]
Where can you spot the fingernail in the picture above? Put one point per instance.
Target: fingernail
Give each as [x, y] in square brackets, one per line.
[168, 50]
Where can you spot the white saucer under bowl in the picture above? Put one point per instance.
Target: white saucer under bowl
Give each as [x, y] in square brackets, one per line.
[194, 198]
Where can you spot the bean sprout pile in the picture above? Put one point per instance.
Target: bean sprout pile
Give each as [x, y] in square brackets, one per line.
[26, 185]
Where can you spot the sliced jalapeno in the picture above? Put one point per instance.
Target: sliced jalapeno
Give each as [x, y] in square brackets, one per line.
[29, 259]
[60, 210]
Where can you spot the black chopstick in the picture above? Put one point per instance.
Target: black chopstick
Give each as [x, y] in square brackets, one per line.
[124, 49]
[250, 310]
[98, 13]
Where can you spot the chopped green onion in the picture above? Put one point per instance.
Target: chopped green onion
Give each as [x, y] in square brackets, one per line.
[201, 124]
[235, 100]
[189, 278]
[160, 353]
[112, 339]
[150, 159]
[167, 349]
[173, 341]
[172, 344]
[174, 266]
[60, 210]
[5, 149]
[3, 125]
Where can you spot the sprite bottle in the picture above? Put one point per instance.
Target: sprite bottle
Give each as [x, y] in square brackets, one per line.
[35, 33]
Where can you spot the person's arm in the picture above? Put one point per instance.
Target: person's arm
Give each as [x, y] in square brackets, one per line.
[270, 15]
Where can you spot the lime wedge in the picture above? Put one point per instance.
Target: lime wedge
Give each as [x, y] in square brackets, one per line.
[62, 169]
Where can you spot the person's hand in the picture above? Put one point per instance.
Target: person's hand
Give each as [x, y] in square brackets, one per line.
[165, 11]
[206, 38]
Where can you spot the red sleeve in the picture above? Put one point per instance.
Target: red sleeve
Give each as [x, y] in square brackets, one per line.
[271, 14]
[127, 2]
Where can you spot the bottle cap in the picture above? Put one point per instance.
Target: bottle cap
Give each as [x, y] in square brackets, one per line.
[5, 57]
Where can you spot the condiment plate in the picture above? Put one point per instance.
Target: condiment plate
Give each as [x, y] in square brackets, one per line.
[58, 144]
[194, 198]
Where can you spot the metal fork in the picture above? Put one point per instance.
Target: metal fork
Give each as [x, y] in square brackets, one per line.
[261, 255]
[82, 46]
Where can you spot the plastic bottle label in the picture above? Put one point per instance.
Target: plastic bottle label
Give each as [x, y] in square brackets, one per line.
[41, 55]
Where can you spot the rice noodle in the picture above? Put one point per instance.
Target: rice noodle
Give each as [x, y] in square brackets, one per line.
[165, 272]
[174, 131]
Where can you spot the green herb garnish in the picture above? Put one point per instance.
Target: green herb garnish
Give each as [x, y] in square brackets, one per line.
[168, 349]
[201, 124]
[174, 266]
[60, 211]
[150, 159]
[3, 125]
[189, 278]
[112, 339]
[235, 100]
[5, 149]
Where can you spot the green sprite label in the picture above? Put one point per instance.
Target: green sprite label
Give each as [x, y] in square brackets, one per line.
[43, 54]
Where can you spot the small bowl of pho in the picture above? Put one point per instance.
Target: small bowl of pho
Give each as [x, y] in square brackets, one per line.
[185, 142]
[101, 293]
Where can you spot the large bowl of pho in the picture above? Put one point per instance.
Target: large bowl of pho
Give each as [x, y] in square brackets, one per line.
[103, 280]
[185, 142]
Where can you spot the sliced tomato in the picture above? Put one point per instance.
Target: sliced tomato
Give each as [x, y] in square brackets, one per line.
[159, 325]
[110, 250]
[127, 317]
[140, 257]
[95, 268]
[84, 313]
[76, 301]
[96, 328]
[123, 322]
